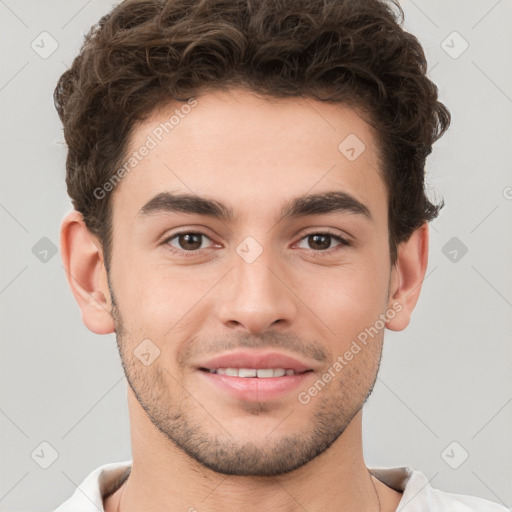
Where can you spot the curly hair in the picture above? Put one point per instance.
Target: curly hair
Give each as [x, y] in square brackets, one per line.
[146, 53]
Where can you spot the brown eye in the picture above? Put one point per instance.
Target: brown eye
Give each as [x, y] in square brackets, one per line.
[190, 241]
[323, 242]
[319, 242]
[186, 241]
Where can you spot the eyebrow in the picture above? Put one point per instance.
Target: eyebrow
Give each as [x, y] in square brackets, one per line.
[312, 204]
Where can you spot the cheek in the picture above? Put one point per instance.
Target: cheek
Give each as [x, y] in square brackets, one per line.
[158, 300]
[348, 298]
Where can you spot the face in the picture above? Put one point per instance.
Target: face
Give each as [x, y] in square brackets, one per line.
[247, 245]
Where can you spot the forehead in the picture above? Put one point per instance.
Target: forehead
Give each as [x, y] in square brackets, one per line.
[250, 153]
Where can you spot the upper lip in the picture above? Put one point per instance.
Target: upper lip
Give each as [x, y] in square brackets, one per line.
[257, 360]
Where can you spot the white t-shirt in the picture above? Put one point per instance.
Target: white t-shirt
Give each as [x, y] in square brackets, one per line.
[418, 495]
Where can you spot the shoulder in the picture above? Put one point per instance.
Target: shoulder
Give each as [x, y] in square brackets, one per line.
[418, 495]
[89, 495]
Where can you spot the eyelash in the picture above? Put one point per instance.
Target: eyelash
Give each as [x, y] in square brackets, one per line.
[342, 243]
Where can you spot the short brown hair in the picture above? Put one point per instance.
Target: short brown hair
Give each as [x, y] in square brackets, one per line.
[146, 53]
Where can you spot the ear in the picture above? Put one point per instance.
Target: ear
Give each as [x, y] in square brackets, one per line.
[407, 277]
[82, 256]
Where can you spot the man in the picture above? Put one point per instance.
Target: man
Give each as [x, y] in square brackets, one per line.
[250, 215]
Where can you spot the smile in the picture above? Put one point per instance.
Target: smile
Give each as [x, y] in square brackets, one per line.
[260, 373]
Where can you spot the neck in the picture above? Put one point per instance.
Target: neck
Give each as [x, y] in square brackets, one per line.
[163, 477]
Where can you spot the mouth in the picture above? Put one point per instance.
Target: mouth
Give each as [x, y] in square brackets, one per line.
[255, 376]
[258, 373]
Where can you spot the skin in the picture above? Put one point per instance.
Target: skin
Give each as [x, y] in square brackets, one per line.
[253, 155]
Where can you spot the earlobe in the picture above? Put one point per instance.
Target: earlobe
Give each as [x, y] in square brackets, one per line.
[85, 271]
[407, 277]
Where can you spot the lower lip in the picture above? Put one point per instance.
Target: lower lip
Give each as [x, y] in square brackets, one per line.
[256, 389]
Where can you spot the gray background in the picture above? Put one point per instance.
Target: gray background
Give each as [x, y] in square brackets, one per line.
[446, 378]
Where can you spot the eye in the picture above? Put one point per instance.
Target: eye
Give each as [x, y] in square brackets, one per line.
[186, 241]
[323, 242]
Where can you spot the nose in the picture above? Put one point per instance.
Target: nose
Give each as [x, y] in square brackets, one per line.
[256, 296]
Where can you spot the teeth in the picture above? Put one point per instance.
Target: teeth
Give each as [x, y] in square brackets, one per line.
[265, 372]
[261, 373]
[247, 372]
